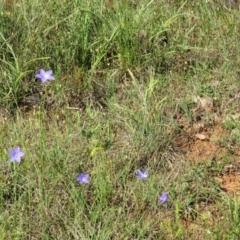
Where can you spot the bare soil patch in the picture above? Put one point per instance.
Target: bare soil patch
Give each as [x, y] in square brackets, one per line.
[201, 140]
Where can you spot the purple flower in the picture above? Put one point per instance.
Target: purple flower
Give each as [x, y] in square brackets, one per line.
[15, 155]
[142, 175]
[45, 75]
[163, 198]
[83, 178]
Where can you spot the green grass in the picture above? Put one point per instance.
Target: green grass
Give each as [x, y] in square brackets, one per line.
[128, 74]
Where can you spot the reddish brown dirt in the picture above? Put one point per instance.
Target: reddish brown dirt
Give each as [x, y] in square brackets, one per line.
[201, 149]
[230, 181]
[202, 141]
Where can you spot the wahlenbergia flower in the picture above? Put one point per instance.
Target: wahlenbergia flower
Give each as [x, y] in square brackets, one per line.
[45, 75]
[83, 178]
[163, 198]
[142, 175]
[16, 154]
